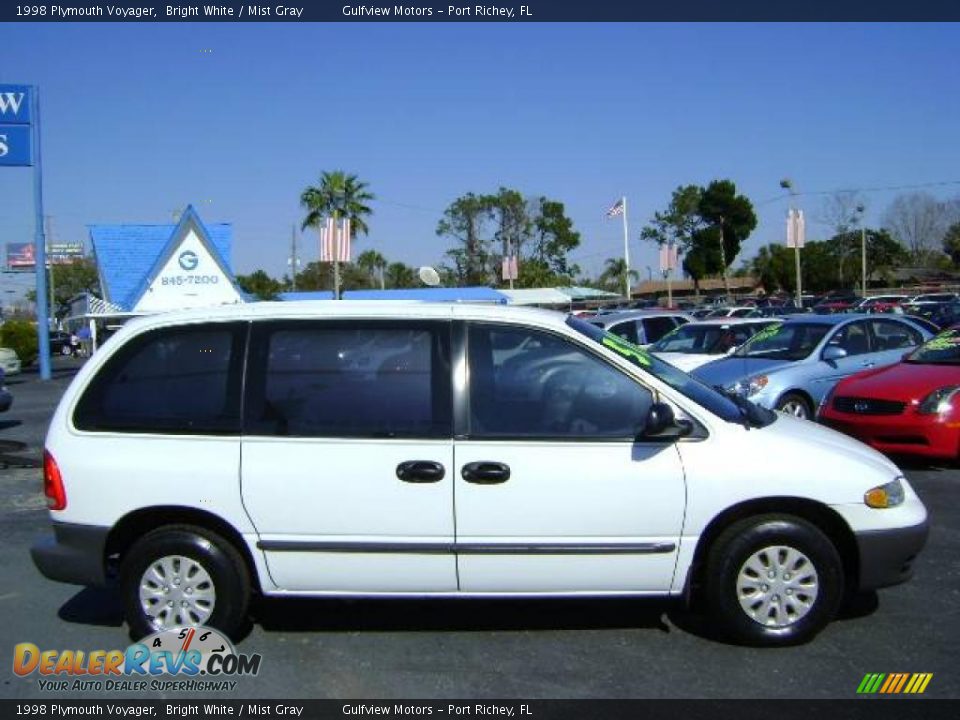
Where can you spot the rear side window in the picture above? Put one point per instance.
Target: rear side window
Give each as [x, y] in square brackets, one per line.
[183, 380]
[627, 330]
[656, 327]
[348, 379]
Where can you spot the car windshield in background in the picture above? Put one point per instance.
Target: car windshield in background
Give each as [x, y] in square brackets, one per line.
[696, 340]
[944, 349]
[720, 404]
[784, 341]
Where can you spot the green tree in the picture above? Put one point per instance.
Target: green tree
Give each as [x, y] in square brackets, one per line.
[398, 275]
[554, 239]
[21, 337]
[464, 221]
[260, 284]
[679, 222]
[514, 224]
[951, 243]
[730, 220]
[612, 277]
[374, 264]
[71, 279]
[338, 195]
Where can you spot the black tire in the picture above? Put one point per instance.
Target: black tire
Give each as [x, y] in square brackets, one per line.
[747, 539]
[795, 400]
[218, 557]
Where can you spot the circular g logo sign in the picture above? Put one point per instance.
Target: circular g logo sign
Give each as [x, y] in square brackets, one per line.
[188, 260]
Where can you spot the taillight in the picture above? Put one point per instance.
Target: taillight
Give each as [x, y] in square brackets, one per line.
[53, 483]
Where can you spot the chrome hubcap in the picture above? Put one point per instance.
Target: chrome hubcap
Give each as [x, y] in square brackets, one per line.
[176, 591]
[777, 586]
[795, 408]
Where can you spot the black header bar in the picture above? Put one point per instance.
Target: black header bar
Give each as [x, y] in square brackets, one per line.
[504, 11]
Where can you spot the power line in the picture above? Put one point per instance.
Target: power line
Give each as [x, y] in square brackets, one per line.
[879, 188]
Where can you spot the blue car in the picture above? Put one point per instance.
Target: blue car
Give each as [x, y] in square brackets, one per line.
[792, 365]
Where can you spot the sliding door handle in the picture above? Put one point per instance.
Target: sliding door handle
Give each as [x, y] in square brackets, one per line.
[420, 471]
[486, 473]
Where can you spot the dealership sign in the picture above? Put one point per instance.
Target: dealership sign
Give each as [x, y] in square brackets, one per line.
[15, 146]
[20, 255]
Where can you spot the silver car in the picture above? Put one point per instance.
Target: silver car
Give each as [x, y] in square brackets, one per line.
[641, 327]
[790, 366]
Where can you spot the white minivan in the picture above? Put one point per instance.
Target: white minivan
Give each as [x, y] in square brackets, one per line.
[425, 449]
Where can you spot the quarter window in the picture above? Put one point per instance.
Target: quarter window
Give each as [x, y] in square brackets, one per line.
[344, 379]
[182, 380]
[892, 335]
[550, 389]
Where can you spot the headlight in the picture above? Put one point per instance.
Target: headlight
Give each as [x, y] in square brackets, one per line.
[938, 401]
[751, 386]
[885, 496]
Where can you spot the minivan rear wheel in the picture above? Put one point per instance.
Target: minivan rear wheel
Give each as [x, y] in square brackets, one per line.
[183, 575]
[773, 580]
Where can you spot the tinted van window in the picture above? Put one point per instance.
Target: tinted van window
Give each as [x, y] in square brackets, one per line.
[174, 380]
[549, 388]
[346, 379]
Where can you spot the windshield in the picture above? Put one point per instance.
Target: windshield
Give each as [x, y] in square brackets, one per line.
[784, 341]
[702, 339]
[944, 349]
[720, 404]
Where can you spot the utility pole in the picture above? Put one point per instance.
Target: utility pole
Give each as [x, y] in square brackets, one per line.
[294, 260]
[794, 232]
[723, 262]
[53, 305]
[863, 251]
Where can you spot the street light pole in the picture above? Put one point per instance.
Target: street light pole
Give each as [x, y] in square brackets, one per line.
[787, 185]
[863, 252]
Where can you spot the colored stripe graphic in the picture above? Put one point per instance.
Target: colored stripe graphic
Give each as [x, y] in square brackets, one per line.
[894, 683]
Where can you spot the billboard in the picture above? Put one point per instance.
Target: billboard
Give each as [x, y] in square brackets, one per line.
[20, 255]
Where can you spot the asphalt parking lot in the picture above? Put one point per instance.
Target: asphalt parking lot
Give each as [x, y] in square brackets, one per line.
[486, 649]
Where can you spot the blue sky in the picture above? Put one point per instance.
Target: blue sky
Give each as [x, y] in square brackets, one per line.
[138, 121]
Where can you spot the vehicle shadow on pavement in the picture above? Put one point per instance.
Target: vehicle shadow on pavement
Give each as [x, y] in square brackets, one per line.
[911, 462]
[93, 606]
[397, 615]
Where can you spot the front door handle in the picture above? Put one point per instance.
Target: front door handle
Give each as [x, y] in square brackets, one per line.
[420, 471]
[486, 473]
[867, 364]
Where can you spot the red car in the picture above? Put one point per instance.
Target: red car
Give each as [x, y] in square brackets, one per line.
[912, 407]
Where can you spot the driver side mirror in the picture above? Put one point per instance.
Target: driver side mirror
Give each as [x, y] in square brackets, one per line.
[662, 424]
[834, 352]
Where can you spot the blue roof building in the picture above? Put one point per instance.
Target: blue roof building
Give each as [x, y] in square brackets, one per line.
[152, 268]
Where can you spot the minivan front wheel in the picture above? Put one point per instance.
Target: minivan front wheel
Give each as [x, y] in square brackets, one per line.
[773, 580]
[182, 575]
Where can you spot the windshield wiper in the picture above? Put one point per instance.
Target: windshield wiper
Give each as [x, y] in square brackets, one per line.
[741, 403]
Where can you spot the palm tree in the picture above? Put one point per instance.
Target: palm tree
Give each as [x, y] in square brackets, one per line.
[400, 276]
[339, 195]
[372, 262]
[614, 274]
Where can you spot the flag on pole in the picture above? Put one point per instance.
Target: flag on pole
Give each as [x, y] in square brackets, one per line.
[616, 209]
[509, 268]
[796, 229]
[668, 257]
[335, 242]
[344, 246]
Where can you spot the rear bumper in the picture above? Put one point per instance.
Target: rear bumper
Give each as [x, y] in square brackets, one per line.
[73, 554]
[886, 556]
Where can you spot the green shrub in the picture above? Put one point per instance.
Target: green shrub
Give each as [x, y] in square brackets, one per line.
[21, 337]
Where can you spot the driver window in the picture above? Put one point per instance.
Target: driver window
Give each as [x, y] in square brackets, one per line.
[548, 388]
[852, 338]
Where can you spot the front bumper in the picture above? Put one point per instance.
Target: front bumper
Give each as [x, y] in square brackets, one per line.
[74, 554]
[886, 556]
[908, 434]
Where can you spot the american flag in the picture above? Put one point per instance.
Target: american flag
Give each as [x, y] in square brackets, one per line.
[333, 238]
[616, 208]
